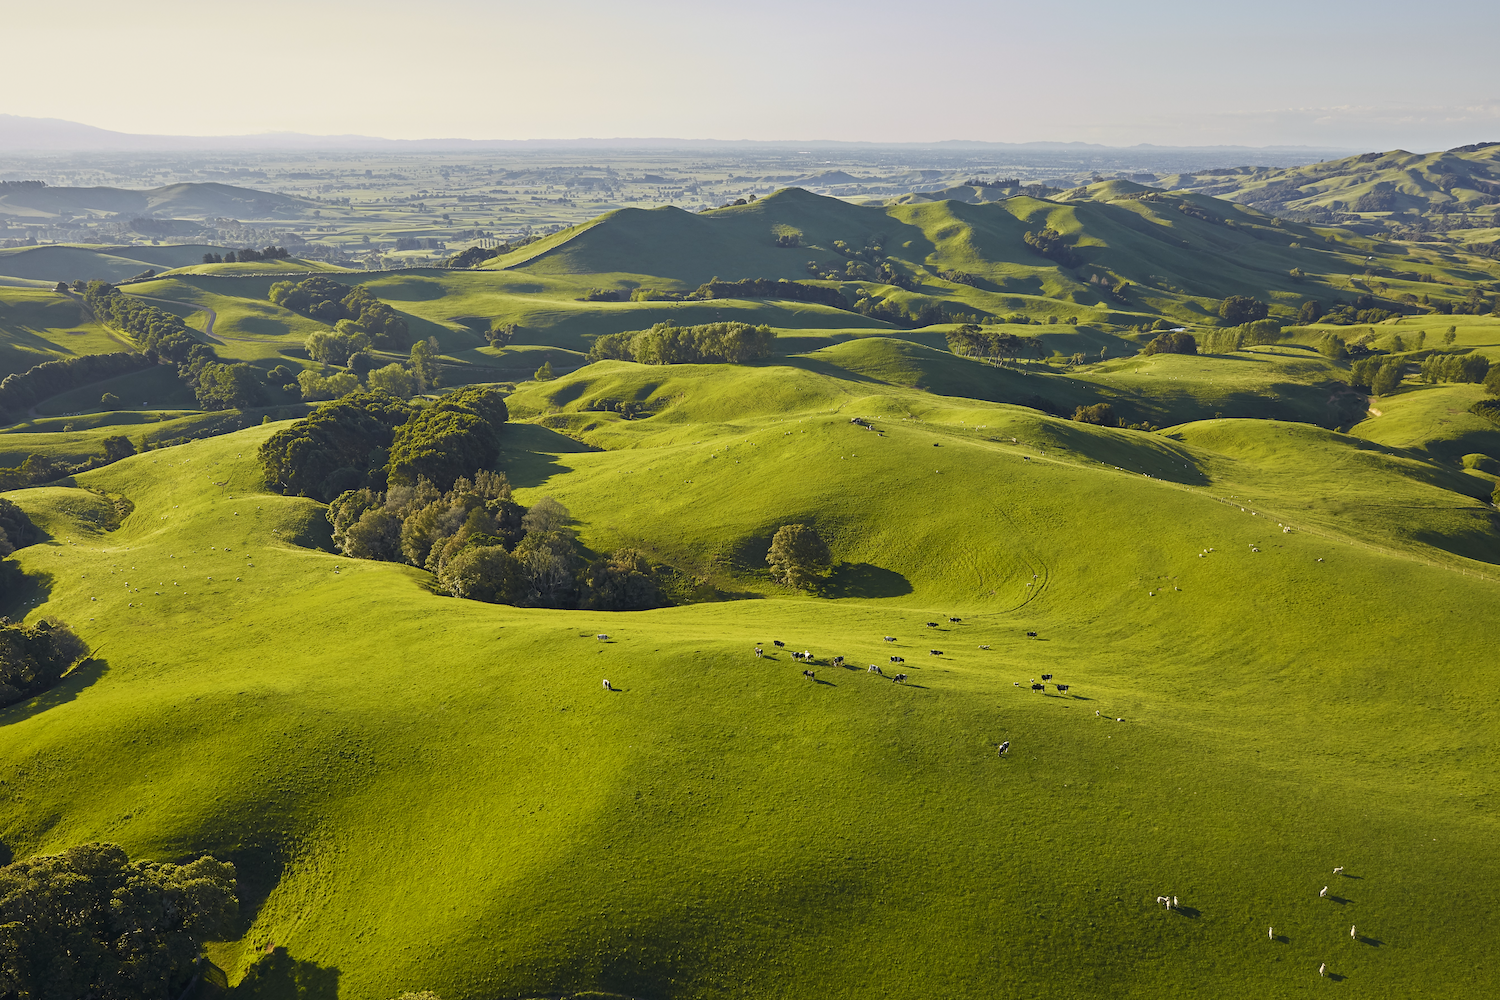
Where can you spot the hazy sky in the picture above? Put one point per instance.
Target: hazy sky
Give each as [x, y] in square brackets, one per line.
[1371, 74]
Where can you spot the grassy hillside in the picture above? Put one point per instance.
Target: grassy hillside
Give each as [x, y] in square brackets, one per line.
[723, 824]
[1275, 633]
[184, 201]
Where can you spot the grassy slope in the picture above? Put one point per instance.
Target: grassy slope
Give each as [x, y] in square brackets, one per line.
[442, 797]
[40, 325]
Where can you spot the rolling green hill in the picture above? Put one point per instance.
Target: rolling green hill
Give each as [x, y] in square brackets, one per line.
[182, 201]
[1274, 633]
[1415, 194]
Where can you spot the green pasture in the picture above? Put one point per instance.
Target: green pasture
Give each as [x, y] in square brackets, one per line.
[39, 325]
[428, 793]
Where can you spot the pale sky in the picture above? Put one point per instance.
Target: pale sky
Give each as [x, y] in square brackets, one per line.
[1372, 74]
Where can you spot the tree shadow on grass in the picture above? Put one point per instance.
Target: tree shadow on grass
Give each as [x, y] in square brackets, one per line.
[864, 580]
[529, 453]
[65, 690]
[257, 871]
[276, 975]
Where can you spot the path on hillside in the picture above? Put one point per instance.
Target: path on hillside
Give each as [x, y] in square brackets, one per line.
[208, 328]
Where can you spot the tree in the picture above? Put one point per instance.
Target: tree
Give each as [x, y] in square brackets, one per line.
[450, 438]
[335, 386]
[798, 556]
[34, 657]
[502, 334]
[1099, 413]
[1309, 312]
[231, 387]
[109, 401]
[1386, 379]
[485, 573]
[61, 288]
[620, 581]
[424, 364]
[550, 559]
[546, 515]
[544, 373]
[1238, 310]
[89, 922]
[1450, 336]
[1330, 345]
[1173, 343]
[393, 380]
[116, 447]
[354, 432]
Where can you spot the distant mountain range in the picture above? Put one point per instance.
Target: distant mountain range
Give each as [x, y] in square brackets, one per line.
[21, 135]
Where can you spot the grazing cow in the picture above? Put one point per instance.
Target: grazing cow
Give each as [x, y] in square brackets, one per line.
[601, 637]
[1339, 869]
[1062, 688]
[984, 647]
[1038, 687]
[899, 679]
[759, 651]
[807, 655]
[932, 624]
[1323, 892]
[898, 659]
[838, 661]
[778, 643]
[955, 620]
[1004, 747]
[1046, 677]
[1031, 635]
[890, 638]
[606, 685]
[809, 675]
[934, 652]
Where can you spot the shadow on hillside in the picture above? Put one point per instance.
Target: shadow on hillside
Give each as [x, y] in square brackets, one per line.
[820, 367]
[528, 453]
[865, 580]
[64, 691]
[257, 871]
[276, 975]
[1481, 544]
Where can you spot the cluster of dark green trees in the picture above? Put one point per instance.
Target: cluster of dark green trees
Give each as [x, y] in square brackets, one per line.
[1237, 310]
[373, 440]
[163, 336]
[22, 390]
[975, 341]
[1172, 343]
[91, 923]
[38, 468]
[765, 288]
[334, 303]
[483, 546]
[1443, 367]
[35, 657]
[247, 255]
[474, 256]
[668, 344]
[1049, 243]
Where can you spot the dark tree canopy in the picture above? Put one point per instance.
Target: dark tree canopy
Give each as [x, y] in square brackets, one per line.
[16, 529]
[452, 437]
[324, 299]
[620, 581]
[90, 923]
[976, 341]
[798, 556]
[34, 657]
[1099, 413]
[668, 344]
[349, 433]
[1238, 310]
[1172, 343]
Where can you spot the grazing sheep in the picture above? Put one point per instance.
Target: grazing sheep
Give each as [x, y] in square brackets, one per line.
[1322, 969]
[606, 685]
[1352, 932]
[1323, 892]
[1339, 869]
[1271, 933]
[1174, 900]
